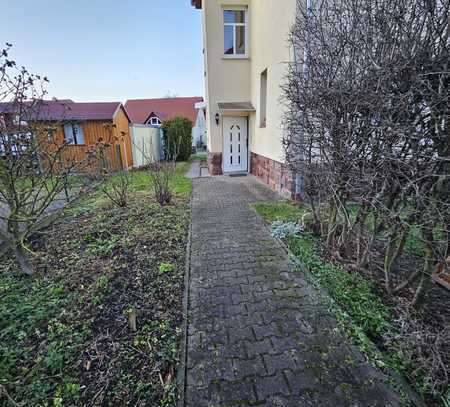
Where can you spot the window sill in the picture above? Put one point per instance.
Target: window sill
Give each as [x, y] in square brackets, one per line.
[235, 57]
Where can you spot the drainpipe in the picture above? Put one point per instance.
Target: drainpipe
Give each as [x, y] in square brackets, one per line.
[298, 176]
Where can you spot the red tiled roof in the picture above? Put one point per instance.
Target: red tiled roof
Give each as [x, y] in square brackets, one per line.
[52, 110]
[80, 111]
[139, 110]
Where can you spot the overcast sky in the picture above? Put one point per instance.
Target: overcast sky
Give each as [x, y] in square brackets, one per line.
[107, 50]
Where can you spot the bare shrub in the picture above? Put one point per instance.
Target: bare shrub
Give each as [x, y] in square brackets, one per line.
[161, 174]
[367, 133]
[117, 188]
[36, 171]
[368, 124]
[426, 347]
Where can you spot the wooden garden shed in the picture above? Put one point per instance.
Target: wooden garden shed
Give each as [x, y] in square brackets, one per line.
[84, 125]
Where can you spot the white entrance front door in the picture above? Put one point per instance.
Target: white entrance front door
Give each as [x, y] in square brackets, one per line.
[235, 144]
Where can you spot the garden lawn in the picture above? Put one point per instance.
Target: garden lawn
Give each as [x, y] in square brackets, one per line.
[199, 157]
[180, 185]
[64, 334]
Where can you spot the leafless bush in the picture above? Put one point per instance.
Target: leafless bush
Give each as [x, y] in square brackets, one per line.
[426, 347]
[117, 188]
[115, 185]
[367, 130]
[160, 175]
[36, 171]
[161, 172]
[368, 123]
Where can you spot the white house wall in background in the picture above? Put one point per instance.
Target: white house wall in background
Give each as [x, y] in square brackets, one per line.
[199, 129]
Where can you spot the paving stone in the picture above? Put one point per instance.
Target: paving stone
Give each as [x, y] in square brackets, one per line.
[204, 397]
[282, 401]
[239, 298]
[240, 321]
[257, 306]
[195, 377]
[248, 367]
[259, 332]
[263, 295]
[275, 363]
[266, 331]
[271, 385]
[218, 370]
[259, 347]
[285, 344]
[303, 381]
[240, 334]
[233, 310]
[228, 351]
[241, 391]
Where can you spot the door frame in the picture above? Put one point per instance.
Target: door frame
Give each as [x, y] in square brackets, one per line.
[247, 170]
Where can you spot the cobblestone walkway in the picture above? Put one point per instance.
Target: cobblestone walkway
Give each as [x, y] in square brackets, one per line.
[259, 333]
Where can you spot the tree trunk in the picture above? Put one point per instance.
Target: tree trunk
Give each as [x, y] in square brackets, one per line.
[332, 225]
[359, 223]
[407, 282]
[425, 278]
[23, 261]
[393, 252]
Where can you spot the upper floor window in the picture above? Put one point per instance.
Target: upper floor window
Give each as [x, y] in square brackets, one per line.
[73, 134]
[235, 31]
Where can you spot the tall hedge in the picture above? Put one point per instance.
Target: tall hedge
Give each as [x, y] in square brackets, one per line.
[178, 138]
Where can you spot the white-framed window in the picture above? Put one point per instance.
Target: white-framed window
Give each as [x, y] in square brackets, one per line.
[154, 121]
[73, 134]
[235, 32]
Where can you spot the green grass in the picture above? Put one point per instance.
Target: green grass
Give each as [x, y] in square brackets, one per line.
[283, 211]
[289, 212]
[73, 181]
[179, 184]
[355, 294]
[199, 157]
[32, 309]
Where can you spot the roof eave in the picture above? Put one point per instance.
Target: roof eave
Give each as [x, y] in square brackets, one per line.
[121, 107]
[197, 4]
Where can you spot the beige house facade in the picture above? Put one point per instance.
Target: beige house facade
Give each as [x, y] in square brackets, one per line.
[246, 52]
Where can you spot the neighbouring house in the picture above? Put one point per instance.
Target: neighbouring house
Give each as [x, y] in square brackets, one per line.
[199, 129]
[152, 112]
[246, 55]
[84, 125]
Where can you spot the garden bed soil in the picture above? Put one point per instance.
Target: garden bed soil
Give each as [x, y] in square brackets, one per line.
[64, 334]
